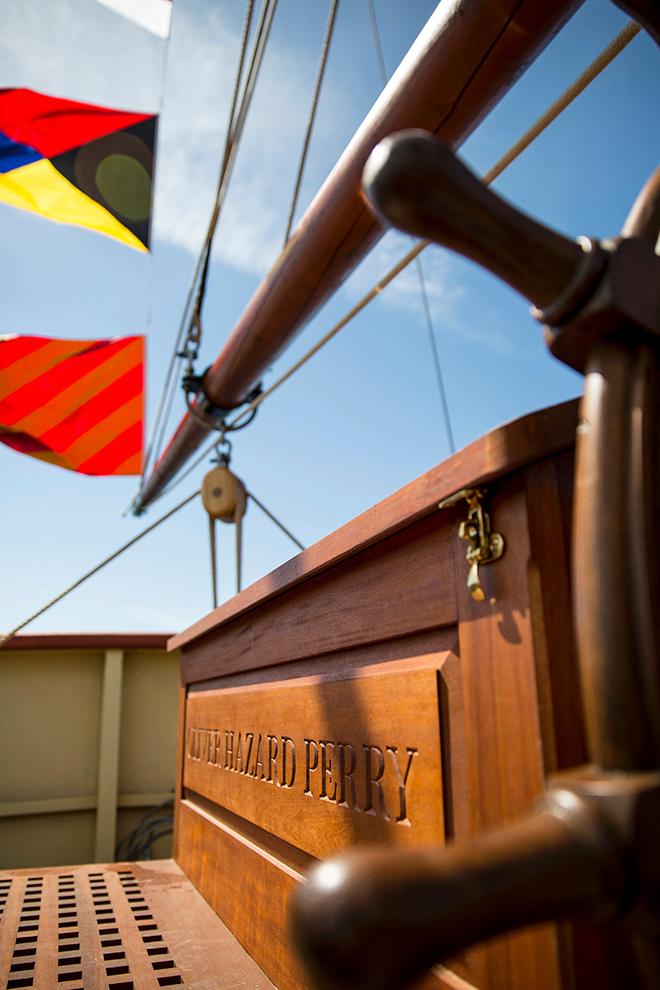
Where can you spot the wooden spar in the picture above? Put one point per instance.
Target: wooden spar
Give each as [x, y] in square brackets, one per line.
[468, 55]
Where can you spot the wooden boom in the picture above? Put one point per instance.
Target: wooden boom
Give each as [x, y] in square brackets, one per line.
[465, 59]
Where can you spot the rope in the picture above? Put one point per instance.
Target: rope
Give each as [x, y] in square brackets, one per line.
[426, 309]
[197, 285]
[600, 63]
[436, 356]
[107, 560]
[597, 66]
[238, 525]
[567, 97]
[551, 114]
[278, 522]
[169, 387]
[214, 561]
[325, 49]
[164, 69]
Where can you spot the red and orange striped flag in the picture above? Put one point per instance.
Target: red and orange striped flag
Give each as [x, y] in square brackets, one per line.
[76, 403]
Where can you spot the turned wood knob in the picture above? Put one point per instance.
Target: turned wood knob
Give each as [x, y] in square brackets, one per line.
[413, 181]
[377, 919]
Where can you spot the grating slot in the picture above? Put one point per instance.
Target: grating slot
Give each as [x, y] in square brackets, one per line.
[53, 907]
[63, 977]
[117, 969]
[22, 965]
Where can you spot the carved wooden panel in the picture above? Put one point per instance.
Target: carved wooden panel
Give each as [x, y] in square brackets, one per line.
[403, 697]
[324, 765]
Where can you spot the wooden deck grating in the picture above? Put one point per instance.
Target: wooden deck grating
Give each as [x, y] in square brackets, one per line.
[133, 926]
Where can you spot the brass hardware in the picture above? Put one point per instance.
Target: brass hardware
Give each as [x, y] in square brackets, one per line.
[484, 546]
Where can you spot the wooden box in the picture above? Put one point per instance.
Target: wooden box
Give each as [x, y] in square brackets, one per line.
[359, 694]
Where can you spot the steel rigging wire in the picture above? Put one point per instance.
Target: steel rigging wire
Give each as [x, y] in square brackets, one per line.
[560, 104]
[325, 51]
[424, 296]
[7, 637]
[240, 105]
[541, 124]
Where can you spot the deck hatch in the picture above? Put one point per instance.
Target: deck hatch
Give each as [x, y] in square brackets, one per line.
[113, 928]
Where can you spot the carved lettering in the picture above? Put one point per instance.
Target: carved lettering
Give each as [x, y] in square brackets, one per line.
[383, 771]
[288, 745]
[346, 771]
[272, 757]
[259, 761]
[326, 770]
[373, 787]
[402, 780]
[309, 766]
[238, 762]
[249, 736]
[229, 749]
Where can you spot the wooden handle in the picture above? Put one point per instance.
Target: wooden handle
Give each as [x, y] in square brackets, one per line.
[415, 182]
[377, 919]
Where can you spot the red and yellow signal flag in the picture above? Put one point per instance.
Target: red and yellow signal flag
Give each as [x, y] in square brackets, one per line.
[78, 163]
[76, 403]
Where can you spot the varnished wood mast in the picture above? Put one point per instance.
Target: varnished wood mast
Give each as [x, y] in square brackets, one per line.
[465, 59]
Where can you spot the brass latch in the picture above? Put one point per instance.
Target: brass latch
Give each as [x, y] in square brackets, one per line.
[484, 545]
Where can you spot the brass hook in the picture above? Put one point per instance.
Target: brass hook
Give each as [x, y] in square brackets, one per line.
[484, 546]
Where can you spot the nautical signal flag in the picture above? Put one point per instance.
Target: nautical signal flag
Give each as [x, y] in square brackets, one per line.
[154, 15]
[78, 163]
[76, 403]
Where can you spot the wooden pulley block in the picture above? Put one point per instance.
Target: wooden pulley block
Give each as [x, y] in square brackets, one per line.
[223, 495]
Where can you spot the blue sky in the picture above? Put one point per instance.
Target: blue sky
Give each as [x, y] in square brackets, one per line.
[363, 418]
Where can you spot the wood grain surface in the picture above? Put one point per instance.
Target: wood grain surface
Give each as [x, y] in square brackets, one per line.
[120, 925]
[381, 602]
[403, 585]
[327, 765]
[520, 442]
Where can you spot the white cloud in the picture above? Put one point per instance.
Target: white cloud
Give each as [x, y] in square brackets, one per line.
[81, 50]
[443, 285]
[252, 224]
[63, 48]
